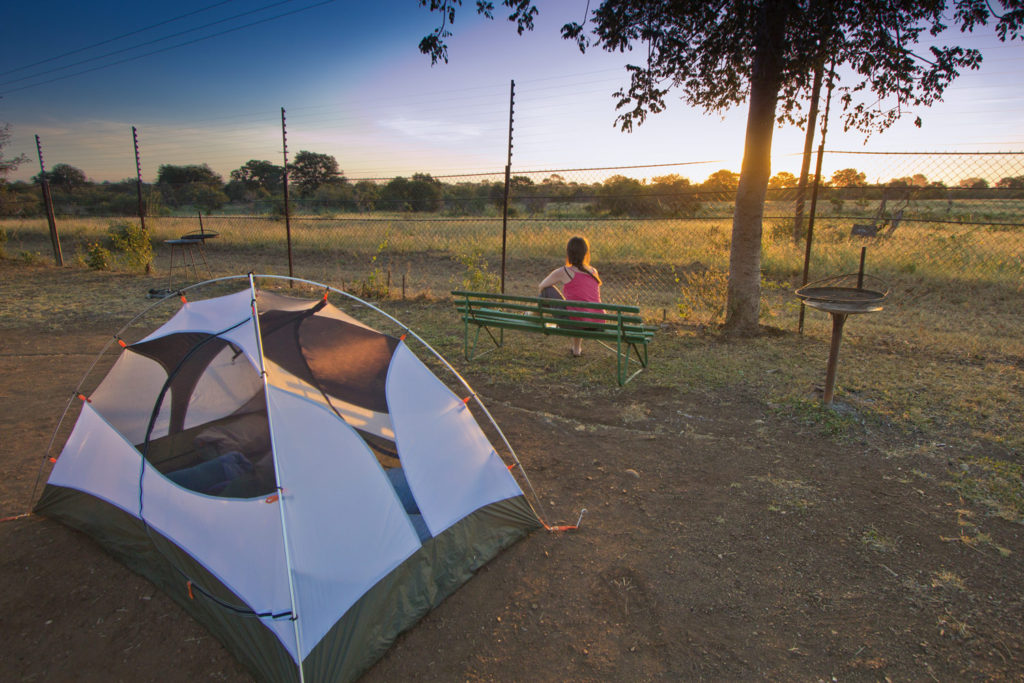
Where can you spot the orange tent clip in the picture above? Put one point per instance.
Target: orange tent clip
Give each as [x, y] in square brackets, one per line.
[567, 527]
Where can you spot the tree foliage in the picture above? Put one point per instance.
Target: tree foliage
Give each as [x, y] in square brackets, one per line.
[422, 192]
[783, 180]
[259, 177]
[310, 170]
[973, 184]
[8, 164]
[707, 51]
[65, 177]
[170, 174]
[1011, 183]
[193, 185]
[668, 196]
[523, 12]
[722, 180]
[848, 177]
[916, 180]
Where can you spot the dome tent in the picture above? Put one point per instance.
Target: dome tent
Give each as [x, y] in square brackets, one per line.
[302, 484]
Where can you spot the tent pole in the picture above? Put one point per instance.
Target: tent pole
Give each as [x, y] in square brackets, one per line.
[280, 490]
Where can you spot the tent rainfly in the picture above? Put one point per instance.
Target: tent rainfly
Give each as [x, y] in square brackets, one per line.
[303, 485]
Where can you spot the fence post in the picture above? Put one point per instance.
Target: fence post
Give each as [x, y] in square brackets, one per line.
[814, 193]
[138, 178]
[805, 164]
[508, 180]
[44, 184]
[287, 207]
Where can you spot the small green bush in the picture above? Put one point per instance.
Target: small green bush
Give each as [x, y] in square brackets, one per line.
[133, 245]
[376, 285]
[98, 257]
[30, 258]
[476, 277]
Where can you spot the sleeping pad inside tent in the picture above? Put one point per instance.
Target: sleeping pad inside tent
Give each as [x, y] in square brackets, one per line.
[306, 487]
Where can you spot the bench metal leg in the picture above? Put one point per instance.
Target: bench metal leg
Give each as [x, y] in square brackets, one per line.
[470, 350]
[642, 359]
[623, 359]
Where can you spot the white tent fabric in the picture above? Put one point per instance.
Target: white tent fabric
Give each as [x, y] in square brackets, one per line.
[336, 524]
[338, 505]
[226, 315]
[239, 540]
[451, 467]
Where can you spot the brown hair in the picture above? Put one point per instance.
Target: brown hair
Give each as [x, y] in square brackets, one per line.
[577, 255]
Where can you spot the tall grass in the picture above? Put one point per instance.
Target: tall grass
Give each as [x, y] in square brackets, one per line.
[954, 284]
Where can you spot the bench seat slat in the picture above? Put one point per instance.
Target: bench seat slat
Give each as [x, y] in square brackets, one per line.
[543, 311]
[489, 313]
[630, 336]
[535, 316]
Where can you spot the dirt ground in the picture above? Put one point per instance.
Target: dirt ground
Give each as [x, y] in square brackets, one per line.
[722, 541]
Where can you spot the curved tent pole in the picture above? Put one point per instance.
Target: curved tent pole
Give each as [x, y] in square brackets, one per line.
[280, 490]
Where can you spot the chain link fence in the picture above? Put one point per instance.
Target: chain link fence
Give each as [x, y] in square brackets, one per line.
[935, 226]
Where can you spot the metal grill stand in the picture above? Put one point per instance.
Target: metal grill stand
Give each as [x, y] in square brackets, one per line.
[838, 299]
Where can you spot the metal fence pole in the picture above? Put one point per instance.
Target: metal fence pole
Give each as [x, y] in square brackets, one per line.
[814, 193]
[508, 182]
[287, 207]
[44, 184]
[805, 164]
[138, 177]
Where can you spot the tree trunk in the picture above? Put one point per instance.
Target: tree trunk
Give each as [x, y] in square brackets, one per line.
[743, 306]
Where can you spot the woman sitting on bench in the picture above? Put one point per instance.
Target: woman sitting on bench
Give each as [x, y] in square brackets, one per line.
[579, 280]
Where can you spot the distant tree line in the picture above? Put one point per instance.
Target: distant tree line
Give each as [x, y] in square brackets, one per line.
[318, 185]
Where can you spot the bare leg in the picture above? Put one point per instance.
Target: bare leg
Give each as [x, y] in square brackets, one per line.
[577, 346]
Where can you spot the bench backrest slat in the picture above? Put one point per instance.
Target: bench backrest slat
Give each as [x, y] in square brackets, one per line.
[552, 316]
[482, 297]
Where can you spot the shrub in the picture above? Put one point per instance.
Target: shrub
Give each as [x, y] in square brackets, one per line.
[376, 285]
[702, 295]
[97, 256]
[476, 277]
[132, 242]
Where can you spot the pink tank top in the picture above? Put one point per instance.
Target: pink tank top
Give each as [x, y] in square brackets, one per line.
[583, 287]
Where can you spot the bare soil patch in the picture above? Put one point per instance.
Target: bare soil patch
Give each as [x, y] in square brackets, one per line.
[723, 540]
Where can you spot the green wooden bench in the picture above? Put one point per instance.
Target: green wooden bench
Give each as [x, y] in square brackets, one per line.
[495, 313]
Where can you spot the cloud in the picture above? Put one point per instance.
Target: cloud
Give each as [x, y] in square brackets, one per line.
[434, 131]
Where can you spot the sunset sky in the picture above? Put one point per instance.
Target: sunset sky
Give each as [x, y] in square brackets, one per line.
[209, 88]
